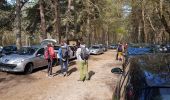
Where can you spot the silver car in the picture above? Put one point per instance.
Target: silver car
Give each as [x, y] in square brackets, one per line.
[25, 60]
[96, 49]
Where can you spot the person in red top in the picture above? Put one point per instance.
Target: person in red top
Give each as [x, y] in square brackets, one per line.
[50, 56]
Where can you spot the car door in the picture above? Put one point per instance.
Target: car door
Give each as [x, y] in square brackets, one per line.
[39, 59]
[123, 84]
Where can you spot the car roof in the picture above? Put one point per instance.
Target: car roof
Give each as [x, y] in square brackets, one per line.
[37, 46]
[155, 69]
[10, 46]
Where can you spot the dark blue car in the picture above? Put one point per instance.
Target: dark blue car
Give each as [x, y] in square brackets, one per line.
[137, 49]
[145, 77]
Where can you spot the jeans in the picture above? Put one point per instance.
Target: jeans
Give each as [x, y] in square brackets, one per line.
[64, 66]
[50, 63]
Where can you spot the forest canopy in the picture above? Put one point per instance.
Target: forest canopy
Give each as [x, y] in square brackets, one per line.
[27, 22]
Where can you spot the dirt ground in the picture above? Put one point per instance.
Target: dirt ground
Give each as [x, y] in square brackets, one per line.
[38, 86]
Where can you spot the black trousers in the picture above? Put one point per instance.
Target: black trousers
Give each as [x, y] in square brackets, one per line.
[50, 65]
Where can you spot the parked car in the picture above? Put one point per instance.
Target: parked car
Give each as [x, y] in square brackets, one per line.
[137, 49]
[145, 77]
[24, 60]
[161, 48]
[96, 49]
[103, 47]
[113, 46]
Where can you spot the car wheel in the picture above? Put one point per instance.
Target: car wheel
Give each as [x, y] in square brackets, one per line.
[28, 68]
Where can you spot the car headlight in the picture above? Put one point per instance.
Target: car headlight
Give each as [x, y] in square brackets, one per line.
[19, 61]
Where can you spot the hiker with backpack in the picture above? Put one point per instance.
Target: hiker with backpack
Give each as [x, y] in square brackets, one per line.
[49, 55]
[82, 54]
[120, 50]
[63, 58]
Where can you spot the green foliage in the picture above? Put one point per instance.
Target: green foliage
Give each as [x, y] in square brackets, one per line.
[105, 17]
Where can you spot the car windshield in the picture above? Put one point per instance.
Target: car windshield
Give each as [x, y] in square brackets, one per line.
[158, 94]
[95, 47]
[8, 48]
[27, 51]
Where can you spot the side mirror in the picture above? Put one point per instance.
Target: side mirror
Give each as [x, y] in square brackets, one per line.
[117, 70]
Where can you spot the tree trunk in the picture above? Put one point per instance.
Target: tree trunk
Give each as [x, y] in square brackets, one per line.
[163, 19]
[88, 31]
[17, 29]
[55, 5]
[68, 16]
[43, 34]
[145, 37]
[88, 23]
[139, 33]
[135, 22]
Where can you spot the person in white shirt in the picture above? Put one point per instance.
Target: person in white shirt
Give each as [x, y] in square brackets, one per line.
[82, 61]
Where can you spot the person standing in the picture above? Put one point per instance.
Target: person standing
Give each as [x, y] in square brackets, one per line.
[82, 55]
[63, 58]
[50, 56]
[120, 51]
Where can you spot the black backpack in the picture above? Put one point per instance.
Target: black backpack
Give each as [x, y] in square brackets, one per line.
[84, 54]
[65, 54]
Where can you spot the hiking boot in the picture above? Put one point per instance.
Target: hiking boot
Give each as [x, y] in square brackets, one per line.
[65, 74]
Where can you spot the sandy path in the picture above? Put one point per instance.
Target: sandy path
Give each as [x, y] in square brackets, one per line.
[39, 87]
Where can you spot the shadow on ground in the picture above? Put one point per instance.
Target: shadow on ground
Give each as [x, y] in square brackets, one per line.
[68, 73]
[91, 73]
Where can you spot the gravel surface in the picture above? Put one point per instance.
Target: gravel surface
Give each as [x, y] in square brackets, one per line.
[38, 86]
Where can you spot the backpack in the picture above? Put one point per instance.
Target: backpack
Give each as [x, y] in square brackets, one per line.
[65, 54]
[47, 54]
[120, 49]
[84, 54]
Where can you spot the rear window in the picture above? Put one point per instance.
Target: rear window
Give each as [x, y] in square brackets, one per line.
[95, 47]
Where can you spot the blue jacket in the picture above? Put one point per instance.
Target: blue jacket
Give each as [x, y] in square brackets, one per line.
[60, 53]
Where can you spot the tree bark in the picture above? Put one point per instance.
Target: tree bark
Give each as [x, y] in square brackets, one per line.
[17, 29]
[55, 5]
[143, 22]
[68, 16]
[88, 23]
[163, 19]
[43, 34]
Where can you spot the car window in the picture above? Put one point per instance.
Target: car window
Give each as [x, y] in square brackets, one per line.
[9, 48]
[41, 51]
[95, 47]
[26, 51]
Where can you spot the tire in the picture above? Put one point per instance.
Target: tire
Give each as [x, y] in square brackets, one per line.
[28, 68]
